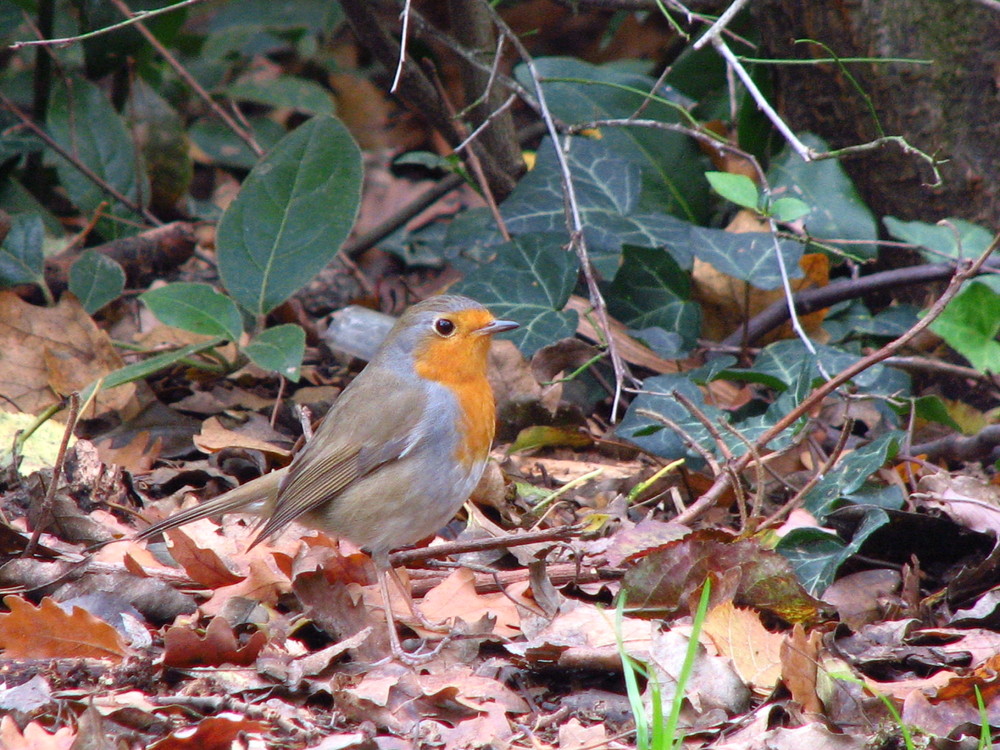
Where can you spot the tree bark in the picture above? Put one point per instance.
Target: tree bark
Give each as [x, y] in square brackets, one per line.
[950, 107]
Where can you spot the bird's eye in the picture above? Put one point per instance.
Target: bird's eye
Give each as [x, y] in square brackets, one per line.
[444, 327]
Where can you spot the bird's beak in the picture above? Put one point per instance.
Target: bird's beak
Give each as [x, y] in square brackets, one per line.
[498, 326]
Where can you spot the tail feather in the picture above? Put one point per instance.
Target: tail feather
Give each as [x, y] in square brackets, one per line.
[256, 496]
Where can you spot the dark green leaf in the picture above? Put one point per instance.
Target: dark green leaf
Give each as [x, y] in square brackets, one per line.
[747, 256]
[671, 166]
[223, 147]
[285, 91]
[294, 211]
[607, 191]
[83, 122]
[650, 289]
[851, 472]
[96, 280]
[530, 282]
[279, 349]
[197, 308]
[21, 258]
[938, 242]
[816, 555]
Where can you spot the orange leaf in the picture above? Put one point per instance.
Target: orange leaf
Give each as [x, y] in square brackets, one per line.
[48, 632]
[185, 648]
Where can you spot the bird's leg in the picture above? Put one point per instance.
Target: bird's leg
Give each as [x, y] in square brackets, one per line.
[406, 657]
[434, 627]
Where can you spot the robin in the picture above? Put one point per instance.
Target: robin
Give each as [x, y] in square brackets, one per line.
[400, 450]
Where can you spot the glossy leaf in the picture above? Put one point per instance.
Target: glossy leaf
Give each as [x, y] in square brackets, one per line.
[21, 258]
[530, 282]
[737, 188]
[294, 211]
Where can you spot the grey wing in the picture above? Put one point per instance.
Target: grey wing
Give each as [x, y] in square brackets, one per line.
[348, 447]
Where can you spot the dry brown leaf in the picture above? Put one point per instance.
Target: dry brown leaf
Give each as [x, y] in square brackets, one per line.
[185, 648]
[201, 562]
[755, 652]
[49, 632]
[573, 734]
[49, 352]
[214, 437]
[214, 733]
[799, 662]
[34, 737]
[264, 583]
[456, 596]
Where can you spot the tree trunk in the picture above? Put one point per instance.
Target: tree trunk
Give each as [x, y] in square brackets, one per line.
[950, 107]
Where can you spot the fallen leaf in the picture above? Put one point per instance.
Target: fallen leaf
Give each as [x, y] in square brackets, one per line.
[183, 647]
[49, 352]
[49, 632]
[34, 737]
[755, 652]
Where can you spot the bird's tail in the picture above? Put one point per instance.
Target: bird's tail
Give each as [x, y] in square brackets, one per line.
[256, 496]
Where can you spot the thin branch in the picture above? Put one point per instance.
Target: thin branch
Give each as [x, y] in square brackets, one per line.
[715, 30]
[82, 168]
[242, 133]
[966, 269]
[574, 221]
[139, 15]
[45, 509]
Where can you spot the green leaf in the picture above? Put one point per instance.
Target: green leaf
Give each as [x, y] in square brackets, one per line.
[83, 122]
[650, 290]
[655, 436]
[737, 188]
[607, 191]
[851, 472]
[223, 147]
[279, 349]
[789, 209]
[969, 324]
[529, 281]
[21, 257]
[672, 170]
[816, 555]
[147, 367]
[197, 308]
[747, 256]
[96, 280]
[938, 242]
[285, 91]
[294, 211]
[837, 211]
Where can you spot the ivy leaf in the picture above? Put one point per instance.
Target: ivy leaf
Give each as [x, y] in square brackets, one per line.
[970, 323]
[21, 258]
[529, 281]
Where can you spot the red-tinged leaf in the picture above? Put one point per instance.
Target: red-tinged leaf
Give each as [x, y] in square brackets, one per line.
[202, 563]
[49, 632]
[663, 583]
[213, 733]
[185, 648]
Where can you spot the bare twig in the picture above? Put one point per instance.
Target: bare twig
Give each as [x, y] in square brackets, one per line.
[139, 15]
[245, 135]
[45, 509]
[404, 36]
[406, 556]
[82, 168]
[574, 221]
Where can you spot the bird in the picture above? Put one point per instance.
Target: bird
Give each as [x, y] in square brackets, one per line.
[398, 453]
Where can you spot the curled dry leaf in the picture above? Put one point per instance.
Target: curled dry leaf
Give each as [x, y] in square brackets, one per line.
[185, 648]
